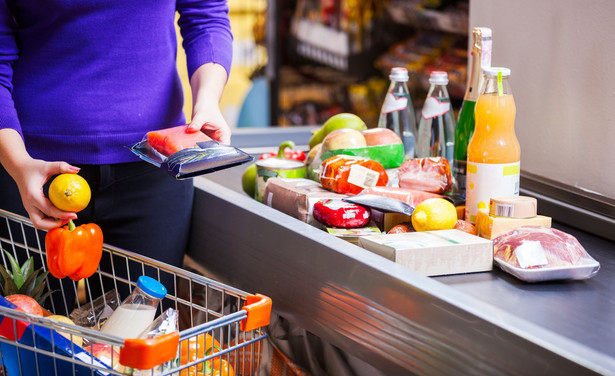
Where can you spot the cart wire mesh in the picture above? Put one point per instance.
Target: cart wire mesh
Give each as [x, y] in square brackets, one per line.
[211, 339]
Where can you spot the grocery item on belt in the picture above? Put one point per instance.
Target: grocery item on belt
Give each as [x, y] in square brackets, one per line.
[411, 197]
[513, 206]
[401, 228]
[426, 174]
[338, 213]
[184, 155]
[535, 253]
[490, 227]
[296, 197]
[431, 253]
[383, 203]
[349, 174]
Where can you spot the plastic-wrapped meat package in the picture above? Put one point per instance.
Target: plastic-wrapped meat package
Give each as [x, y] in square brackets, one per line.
[350, 174]
[534, 253]
[426, 174]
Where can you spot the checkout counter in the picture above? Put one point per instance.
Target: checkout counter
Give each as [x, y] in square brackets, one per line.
[399, 322]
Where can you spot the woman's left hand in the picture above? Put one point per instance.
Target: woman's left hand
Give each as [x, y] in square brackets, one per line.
[207, 84]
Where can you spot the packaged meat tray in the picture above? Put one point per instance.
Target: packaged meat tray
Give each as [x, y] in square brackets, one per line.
[185, 155]
[536, 253]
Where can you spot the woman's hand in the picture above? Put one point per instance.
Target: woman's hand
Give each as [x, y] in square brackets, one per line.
[30, 175]
[207, 84]
[30, 180]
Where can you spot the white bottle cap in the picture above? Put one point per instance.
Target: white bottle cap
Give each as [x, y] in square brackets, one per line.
[438, 78]
[399, 74]
[493, 71]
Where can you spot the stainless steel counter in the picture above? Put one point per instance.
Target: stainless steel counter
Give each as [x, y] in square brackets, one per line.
[401, 322]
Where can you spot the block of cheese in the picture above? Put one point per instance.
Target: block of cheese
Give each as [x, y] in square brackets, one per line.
[296, 197]
[433, 253]
[490, 227]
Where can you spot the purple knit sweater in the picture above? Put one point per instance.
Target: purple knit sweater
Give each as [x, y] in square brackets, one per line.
[82, 79]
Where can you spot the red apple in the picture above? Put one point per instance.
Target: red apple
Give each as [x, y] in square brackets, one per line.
[105, 353]
[344, 138]
[381, 136]
[26, 304]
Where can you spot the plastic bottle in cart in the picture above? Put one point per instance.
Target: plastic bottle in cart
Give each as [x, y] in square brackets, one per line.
[437, 124]
[397, 112]
[137, 311]
[481, 59]
[494, 153]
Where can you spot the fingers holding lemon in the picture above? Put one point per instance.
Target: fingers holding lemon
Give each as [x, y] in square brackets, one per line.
[70, 192]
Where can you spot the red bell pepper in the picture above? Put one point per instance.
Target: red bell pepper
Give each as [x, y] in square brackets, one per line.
[74, 251]
[296, 155]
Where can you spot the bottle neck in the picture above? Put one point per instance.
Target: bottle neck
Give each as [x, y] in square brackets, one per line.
[140, 297]
[481, 59]
[476, 77]
[438, 91]
[490, 86]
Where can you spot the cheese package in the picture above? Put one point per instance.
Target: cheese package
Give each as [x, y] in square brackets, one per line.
[433, 253]
[490, 227]
[296, 197]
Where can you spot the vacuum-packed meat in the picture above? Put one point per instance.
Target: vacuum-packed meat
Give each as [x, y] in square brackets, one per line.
[530, 247]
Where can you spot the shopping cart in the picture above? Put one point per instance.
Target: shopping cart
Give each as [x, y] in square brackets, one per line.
[211, 312]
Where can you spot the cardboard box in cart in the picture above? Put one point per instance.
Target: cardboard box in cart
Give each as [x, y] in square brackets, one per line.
[433, 253]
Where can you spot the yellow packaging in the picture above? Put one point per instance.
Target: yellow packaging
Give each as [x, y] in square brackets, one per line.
[491, 227]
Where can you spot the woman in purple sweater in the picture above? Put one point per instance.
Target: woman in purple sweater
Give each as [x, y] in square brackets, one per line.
[80, 81]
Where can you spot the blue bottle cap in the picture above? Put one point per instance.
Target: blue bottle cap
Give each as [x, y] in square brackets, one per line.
[151, 287]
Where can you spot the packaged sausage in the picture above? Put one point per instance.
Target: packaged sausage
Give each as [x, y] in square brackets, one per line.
[411, 197]
[426, 174]
[351, 174]
[338, 213]
[536, 253]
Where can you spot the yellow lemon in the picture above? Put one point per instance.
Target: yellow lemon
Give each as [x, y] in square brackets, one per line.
[69, 192]
[434, 214]
[63, 319]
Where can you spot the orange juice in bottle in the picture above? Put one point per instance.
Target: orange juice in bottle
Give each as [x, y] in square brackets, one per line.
[494, 153]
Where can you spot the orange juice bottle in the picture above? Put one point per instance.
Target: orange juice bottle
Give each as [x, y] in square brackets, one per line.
[494, 153]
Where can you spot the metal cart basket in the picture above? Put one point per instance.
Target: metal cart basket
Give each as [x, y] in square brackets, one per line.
[221, 329]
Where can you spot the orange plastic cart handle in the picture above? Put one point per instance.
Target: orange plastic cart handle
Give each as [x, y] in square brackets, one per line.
[150, 352]
[258, 308]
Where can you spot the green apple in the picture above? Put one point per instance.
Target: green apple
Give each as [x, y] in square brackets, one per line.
[343, 120]
[248, 180]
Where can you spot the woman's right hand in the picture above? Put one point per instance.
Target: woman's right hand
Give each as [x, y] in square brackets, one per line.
[31, 175]
[30, 180]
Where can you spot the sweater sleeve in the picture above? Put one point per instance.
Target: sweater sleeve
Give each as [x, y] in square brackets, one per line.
[8, 54]
[206, 31]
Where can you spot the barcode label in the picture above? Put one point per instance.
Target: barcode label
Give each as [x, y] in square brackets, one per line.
[362, 176]
[503, 210]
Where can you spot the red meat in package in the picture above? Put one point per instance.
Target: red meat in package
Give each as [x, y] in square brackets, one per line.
[350, 174]
[535, 253]
[426, 174]
[338, 213]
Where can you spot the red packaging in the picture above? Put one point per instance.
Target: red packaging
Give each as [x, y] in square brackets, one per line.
[411, 197]
[426, 174]
[350, 174]
[338, 213]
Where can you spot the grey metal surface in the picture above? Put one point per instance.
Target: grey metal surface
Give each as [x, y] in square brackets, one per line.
[396, 320]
